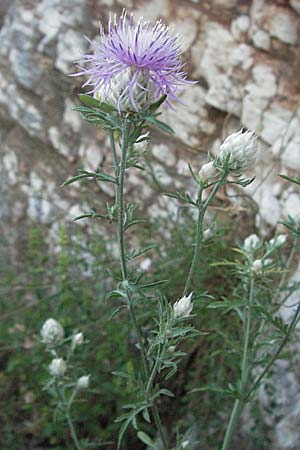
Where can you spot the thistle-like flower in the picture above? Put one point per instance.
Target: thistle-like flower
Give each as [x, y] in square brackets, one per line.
[183, 307]
[133, 65]
[83, 382]
[57, 367]
[52, 332]
[239, 150]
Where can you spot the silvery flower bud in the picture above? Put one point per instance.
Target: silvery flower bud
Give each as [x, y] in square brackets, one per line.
[259, 264]
[251, 242]
[278, 240]
[241, 149]
[207, 233]
[58, 367]
[52, 332]
[207, 172]
[183, 307]
[77, 339]
[118, 94]
[83, 382]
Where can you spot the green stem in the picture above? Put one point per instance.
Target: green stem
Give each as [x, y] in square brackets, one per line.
[120, 199]
[231, 425]
[68, 405]
[198, 243]
[120, 235]
[202, 207]
[73, 432]
[277, 353]
[113, 149]
[238, 404]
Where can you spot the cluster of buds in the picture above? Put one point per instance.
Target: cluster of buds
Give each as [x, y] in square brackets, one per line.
[53, 333]
[183, 307]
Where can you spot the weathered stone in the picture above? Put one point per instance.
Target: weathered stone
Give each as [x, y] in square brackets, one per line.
[164, 154]
[295, 4]
[10, 168]
[240, 26]
[261, 39]
[69, 49]
[275, 123]
[284, 27]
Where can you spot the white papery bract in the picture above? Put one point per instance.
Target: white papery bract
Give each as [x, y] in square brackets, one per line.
[260, 264]
[52, 332]
[238, 151]
[251, 243]
[278, 240]
[57, 367]
[77, 339]
[207, 172]
[83, 382]
[183, 307]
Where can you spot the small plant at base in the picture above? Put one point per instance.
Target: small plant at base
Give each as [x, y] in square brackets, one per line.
[61, 386]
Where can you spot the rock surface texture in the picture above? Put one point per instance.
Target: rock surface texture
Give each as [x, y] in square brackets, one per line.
[246, 58]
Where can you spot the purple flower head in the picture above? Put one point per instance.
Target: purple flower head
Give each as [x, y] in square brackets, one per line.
[134, 65]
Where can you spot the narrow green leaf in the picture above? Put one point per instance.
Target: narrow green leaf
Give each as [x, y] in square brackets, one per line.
[140, 251]
[91, 215]
[146, 440]
[89, 101]
[292, 180]
[154, 106]
[162, 125]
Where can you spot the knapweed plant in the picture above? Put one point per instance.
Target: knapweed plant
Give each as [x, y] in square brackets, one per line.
[133, 72]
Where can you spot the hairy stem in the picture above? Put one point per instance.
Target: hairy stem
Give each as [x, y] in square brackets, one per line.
[120, 173]
[68, 404]
[202, 207]
[285, 340]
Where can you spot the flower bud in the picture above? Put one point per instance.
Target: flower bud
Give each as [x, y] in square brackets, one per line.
[278, 240]
[52, 332]
[83, 382]
[207, 233]
[206, 172]
[77, 339]
[58, 367]
[183, 307]
[251, 243]
[259, 264]
[240, 149]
